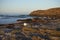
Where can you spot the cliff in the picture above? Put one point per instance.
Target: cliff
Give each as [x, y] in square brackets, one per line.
[52, 12]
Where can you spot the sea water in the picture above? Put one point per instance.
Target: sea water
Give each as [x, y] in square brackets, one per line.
[12, 19]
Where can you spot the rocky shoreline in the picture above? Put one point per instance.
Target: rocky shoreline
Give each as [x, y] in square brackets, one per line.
[42, 27]
[33, 29]
[52, 12]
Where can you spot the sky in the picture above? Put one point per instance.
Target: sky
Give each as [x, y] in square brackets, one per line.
[26, 6]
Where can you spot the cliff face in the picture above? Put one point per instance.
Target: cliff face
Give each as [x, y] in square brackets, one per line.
[53, 12]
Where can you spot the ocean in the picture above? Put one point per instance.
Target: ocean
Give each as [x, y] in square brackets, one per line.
[7, 19]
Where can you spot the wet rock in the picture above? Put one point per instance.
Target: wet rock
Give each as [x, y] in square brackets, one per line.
[10, 26]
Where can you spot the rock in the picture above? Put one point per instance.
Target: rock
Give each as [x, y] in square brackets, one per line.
[53, 12]
[10, 26]
[25, 20]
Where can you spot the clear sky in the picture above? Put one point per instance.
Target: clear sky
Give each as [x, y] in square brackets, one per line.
[22, 6]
